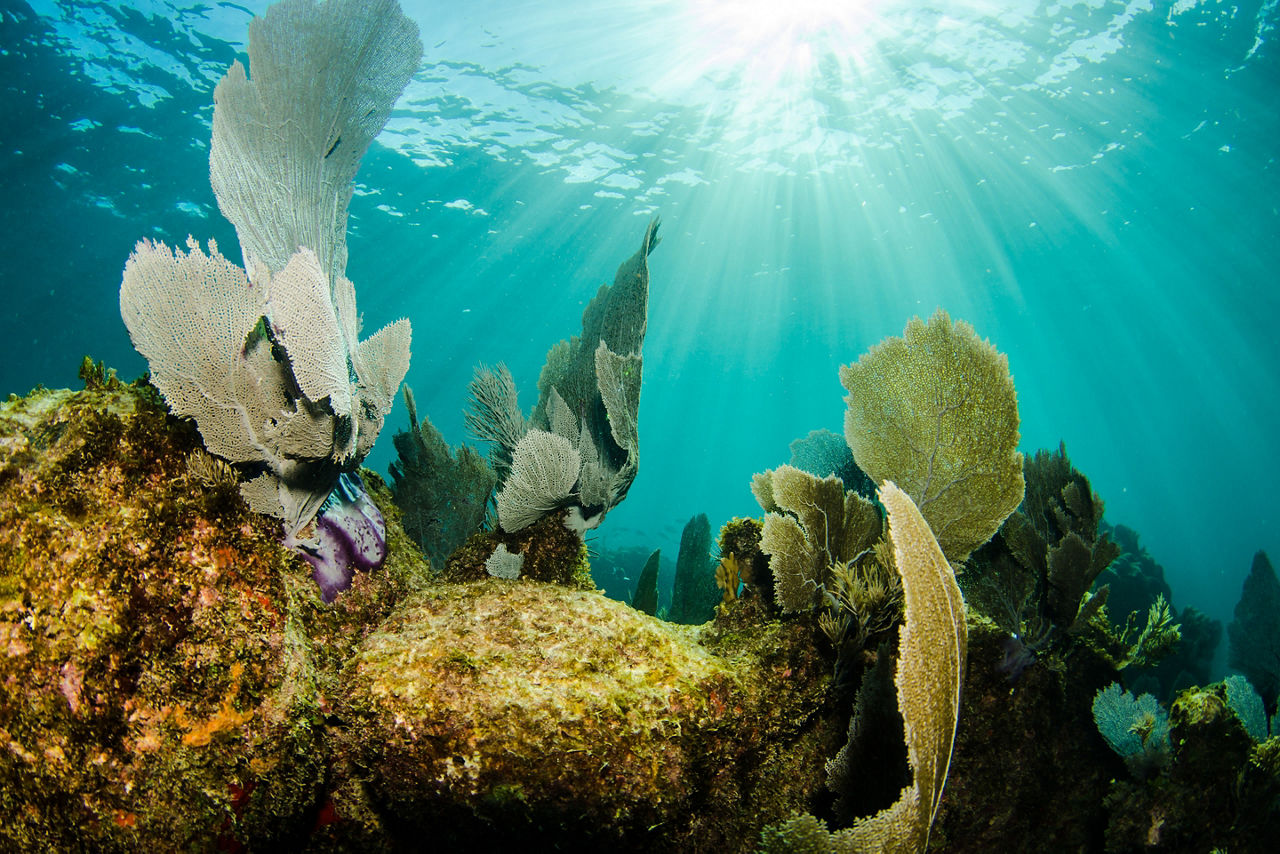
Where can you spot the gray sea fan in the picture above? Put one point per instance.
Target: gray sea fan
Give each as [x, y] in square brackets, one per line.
[325, 77]
[193, 316]
[561, 418]
[199, 322]
[618, 379]
[380, 362]
[597, 482]
[305, 322]
[267, 362]
[544, 470]
[589, 399]
[504, 564]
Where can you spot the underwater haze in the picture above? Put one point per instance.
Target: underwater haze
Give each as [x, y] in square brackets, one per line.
[1093, 185]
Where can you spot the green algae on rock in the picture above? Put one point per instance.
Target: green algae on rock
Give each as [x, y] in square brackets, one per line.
[167, 660]
[489, 711]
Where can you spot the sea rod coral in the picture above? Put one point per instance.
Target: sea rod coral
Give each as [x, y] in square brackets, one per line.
[266, 359]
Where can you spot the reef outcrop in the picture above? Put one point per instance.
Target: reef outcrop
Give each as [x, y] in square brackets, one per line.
[173, 679]
[167, 662]
[500, 714]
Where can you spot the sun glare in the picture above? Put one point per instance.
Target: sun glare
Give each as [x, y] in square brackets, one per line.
[771, 41]
[756, 64]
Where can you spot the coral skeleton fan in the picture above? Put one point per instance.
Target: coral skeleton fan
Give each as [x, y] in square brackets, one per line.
[267, 359]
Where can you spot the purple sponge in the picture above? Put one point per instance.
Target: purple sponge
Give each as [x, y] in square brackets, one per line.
[350, 534]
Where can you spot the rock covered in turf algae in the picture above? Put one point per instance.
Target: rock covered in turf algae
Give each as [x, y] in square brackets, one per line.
[492, 713]
[1221, 793]
[548, 551]
[1017, 741]
[166, 659]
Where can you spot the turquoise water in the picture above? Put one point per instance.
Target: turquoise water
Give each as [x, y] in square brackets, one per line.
[1092, 185]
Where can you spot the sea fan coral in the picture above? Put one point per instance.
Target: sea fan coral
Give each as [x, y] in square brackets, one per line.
[267, 360]
[935, 412]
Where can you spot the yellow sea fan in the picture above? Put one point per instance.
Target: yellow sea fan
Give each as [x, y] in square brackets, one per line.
[935, 412]
[930, 673]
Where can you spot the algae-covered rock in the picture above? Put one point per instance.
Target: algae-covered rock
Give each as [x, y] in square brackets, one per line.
[496, 713]
[167, 661]
[1222, 791]
[173, 681]
[1030, 770]
[548, 550]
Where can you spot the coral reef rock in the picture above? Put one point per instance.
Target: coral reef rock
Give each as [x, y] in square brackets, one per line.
[494, 713]
[167, 660]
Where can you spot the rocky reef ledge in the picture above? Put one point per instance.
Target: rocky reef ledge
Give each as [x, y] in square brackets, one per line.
[171, 679]
[494, 709]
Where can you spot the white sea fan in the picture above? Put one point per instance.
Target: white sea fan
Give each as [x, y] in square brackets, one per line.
[544, 470]
[504, 564]
[267, 362]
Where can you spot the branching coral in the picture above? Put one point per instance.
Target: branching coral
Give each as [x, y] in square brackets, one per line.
[494, 414]
[740, 539]
[1056, 534]
[863, 597]
[729, 578]
[1158, 636]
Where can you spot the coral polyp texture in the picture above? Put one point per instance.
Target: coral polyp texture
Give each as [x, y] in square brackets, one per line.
[267, 359]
